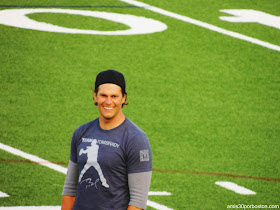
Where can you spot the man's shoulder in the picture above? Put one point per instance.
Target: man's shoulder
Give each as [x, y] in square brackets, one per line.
[84, 127]
[134, 129]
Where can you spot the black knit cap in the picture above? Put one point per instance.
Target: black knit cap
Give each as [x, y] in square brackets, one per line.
[110, 76]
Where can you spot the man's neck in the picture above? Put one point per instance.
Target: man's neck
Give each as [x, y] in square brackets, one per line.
[108, 124]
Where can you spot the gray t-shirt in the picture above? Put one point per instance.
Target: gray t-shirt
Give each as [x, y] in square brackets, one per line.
[105, 158]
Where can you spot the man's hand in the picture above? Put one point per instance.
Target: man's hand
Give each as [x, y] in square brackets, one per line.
[133, 208]
[67, 202]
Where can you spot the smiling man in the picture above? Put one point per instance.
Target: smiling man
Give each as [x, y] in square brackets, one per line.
[110, 165]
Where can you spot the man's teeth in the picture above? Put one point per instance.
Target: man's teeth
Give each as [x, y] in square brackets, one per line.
[108, 108]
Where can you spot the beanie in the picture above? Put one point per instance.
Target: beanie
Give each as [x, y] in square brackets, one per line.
[110, 76]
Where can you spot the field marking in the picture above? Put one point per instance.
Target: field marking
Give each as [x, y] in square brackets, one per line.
[159, 193]
[33, 158]
[30, 208]
[251, 16]
[63, 6]
[216, 174]
[3, 195]
[157, 206]
[137, 25]
[170, 171]
[203, 24]
[235, 188]
[63, 170]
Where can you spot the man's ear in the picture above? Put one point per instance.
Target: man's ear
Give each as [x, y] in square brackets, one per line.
[95, 96]
[124, 97]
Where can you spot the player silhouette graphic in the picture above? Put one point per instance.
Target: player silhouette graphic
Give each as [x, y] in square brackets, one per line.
[92, 154]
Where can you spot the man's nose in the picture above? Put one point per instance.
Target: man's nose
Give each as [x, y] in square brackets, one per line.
[108, 100]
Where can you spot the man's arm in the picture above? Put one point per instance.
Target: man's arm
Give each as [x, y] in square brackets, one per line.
[139, 184]
[67, 202]
[70, 186]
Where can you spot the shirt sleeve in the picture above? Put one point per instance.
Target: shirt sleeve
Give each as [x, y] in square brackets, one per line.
[139, 184]
[139, 154]
[74, 142]
[71, 180]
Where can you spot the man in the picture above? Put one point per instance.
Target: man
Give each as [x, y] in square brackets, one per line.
[110, 165]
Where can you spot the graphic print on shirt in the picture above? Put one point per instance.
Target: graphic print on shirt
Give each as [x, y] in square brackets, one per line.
[92, 154]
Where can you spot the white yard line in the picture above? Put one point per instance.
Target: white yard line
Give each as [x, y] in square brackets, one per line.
[33, 158]
[157, 205]
[159, 193]
[31, 208]
[203, 24]
[235, 188]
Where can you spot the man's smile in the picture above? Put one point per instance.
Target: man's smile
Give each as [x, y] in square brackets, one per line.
[108, 108]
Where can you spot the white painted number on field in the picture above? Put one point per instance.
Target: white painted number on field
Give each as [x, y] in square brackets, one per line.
[136, 24]
[251, 16]
[203, 24]
[235, 188]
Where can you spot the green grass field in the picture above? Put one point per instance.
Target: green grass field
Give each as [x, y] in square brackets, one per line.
[208, 102]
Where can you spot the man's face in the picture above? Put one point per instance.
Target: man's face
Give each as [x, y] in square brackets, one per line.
[110, 99]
